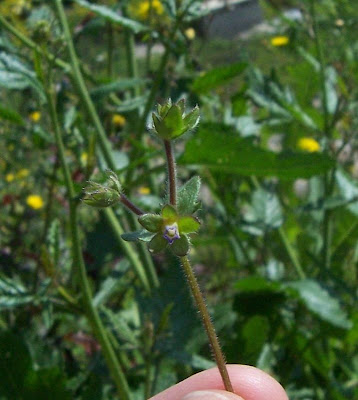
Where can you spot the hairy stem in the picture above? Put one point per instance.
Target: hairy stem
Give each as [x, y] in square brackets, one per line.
[78, 262]
[172, 178]
[208, 325]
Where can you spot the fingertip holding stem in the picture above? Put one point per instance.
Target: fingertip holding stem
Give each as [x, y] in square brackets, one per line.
[211, 395]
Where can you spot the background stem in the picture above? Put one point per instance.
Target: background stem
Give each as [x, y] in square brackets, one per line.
[78, 262]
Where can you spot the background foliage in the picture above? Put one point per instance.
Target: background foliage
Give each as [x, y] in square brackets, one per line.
[277, 153]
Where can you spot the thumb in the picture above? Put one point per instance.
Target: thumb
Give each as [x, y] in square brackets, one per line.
[211, 395]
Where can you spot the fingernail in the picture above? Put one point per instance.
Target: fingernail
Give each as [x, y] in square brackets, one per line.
[211, 395]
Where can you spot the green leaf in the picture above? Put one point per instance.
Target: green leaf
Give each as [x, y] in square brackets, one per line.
[113, 16]
[13, 294]
[180, 247]
[117, 86]
[320, 302]
[11, 115]
[14, 74]
[264, 213]
[217, 77]
[157, 244]
[348, 189]
[151, 222]
[169, 212]
[142, 235]
[187, 197]
[219, 147]
[188, 224]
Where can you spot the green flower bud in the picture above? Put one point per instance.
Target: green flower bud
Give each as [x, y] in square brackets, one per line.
[171, 121]
[97, 195]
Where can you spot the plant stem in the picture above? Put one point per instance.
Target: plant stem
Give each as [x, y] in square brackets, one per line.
[110, 47]
[131, 255]
[32, 45]
[327, 130]
[91, 111]
[78, 262]
[208, 325]
[291, 253]
[126, 202]
[172, 178]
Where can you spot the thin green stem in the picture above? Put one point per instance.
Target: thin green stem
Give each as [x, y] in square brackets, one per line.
[291, 253]
[327, 226]
[78, 262]
[89, 107]
[208, 325]
[131, 254]
[110, 47]
[172, 178]
[32, 45]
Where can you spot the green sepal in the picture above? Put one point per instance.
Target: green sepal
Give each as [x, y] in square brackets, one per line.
[151, 222]
[163, 109]
[188, 224]
[192, 119]
[157, 244]
[180, 247]
[141, 235]
[181, 105]
[169, 213]
[172, 124]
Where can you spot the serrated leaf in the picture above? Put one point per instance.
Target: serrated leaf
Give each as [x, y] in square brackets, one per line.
[187, 198]
[217, 77]
[142, 235]
[15, 74]
[13, 294]
[151, 222]
[112, 16]
[219, 147]
[120, 326]
[264, 213]
[320, 302]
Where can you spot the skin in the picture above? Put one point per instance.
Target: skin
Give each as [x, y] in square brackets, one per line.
[249, 384]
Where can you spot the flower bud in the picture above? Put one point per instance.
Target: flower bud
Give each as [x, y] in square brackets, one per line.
[97, 195]
[170, 121]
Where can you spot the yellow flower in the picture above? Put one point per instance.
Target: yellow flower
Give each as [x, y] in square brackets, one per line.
[144, 190]
[118, 120]
[11, 147]
[9, 177]
[279, 41]
[84, 158]
[34, 201]
[23, 173]
[35, 116]
[190, 33]
[143, 9]
[308, 144]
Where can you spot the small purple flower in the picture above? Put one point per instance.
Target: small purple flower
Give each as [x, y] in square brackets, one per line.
[171, 233]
